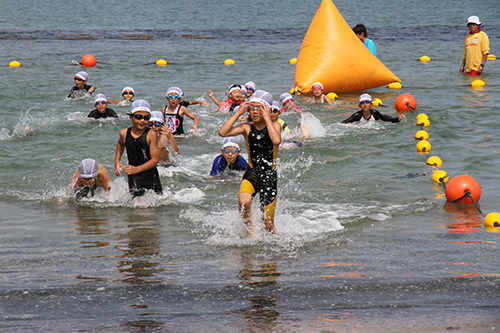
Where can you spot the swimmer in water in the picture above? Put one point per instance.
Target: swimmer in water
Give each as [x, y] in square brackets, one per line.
[263, 138]
[288, 104]
[89, 177]
[174, 112]
[164, 137]
[250, 88]
[128, 94]
[235, 97]
[101, 110]
[81, 85]
[367, 114]
[142, 152]
[230, 158]
[318, 96]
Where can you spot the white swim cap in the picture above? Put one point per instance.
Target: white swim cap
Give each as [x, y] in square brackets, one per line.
[251, 84]
[261, 96]
[157, 116]
[317, 84]
[82, 75]
[140, 105]
[275, 106]
[285, 97]
[100, 97]
[128, 88]
[176, 90]
[88, 168]
[365, 97]
[231, 141]
[233, 87]
[473, 20]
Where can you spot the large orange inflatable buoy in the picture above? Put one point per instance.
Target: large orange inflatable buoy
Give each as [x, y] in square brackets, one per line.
[458, 185]
[333, 55]
[88, 60]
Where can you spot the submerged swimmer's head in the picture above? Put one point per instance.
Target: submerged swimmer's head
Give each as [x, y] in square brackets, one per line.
[156, 121]
[275, 110]
[365, 102]
[230, 149]
[128, 93]
[81, 79]
[89, 169]
[101, 102]
[317, 89]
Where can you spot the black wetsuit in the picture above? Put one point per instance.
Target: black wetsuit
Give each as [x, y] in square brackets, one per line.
[138, 154]
[96, 114]
[261, 171]
[75, 89]
[355, 117]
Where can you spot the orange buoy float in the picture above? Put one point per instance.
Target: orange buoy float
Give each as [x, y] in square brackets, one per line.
[88, 60]
[459, 185]
[405, 102]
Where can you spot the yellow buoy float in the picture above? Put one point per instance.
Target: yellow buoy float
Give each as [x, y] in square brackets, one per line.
[229, 62]
[332, 54]
[425, 58]
[477, 83]
[492, 220]
[423, 146]
[440, 176]
[161, 62]
[434, 161]
[424, 122]
[14, 64]
[377, 102]
[332, 96]
[395, 85]
[421, 135]
[421, 116]
[491, 57]
[292, 61]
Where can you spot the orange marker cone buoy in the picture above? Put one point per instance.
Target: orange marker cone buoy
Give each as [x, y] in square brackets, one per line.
[459, 185]
[88, 60]
[405, 102]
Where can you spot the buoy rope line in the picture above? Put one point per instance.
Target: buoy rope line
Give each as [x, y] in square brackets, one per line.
[467, 194]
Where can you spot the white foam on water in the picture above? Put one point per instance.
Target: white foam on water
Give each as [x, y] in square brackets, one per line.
[316, 129]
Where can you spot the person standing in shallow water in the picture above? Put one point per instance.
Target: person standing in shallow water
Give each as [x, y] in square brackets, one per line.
[263, 138]
[476, 48]
[142, 152]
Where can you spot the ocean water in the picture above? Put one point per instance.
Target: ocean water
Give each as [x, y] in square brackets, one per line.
[365, 241]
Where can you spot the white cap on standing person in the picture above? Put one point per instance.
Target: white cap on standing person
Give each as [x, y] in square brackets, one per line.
[82, 75]
[261, 96]
[251, 84]
[140, 105]
[176, 90]
[473, 20]
[100, 97]
[157, 116]
[88, 168]
[233, 87]
[230, 141]
[365, 97]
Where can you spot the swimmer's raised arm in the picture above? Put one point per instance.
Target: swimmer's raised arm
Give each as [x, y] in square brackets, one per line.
[229, 130]
[273, 128]
[210, 93]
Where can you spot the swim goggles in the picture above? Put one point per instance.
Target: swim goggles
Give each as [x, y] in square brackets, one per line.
[88, 180]
[140, 116]
[227, 150]
[365, 102]
[251, 107]
[250, 88]
[156, 123]
[172, 96]
[276, 111]
[317, 88]
[79, 79]
[101, 103]
[127, 93]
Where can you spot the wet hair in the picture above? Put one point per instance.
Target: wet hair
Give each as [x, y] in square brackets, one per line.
[360, 29]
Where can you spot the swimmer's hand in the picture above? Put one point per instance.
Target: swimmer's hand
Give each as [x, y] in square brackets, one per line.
[130, 169]
[117, 169]
[401, 117]
[210, 93]
[91, 90]
[266, 112]
[194, 129]
[244, 107]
